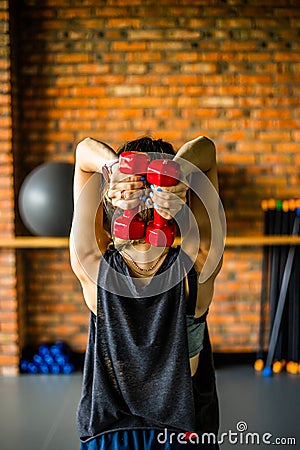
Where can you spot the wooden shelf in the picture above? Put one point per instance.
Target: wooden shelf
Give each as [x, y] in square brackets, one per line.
[63, 242]
[34, 242]
[256, 241]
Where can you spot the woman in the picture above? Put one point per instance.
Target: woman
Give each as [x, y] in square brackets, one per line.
[148, 376]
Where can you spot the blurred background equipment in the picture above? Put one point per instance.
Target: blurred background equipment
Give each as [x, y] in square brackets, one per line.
[46, 199]
[280, 295]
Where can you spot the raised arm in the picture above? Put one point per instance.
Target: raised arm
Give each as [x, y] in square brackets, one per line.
[205, 207]
[200, 151]
[85, 247]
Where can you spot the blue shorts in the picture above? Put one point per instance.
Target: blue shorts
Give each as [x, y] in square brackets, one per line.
[143, 440]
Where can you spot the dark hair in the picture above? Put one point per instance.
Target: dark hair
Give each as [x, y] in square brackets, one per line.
[147, 145]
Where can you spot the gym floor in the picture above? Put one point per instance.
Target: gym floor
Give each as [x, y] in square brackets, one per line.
[37, 412]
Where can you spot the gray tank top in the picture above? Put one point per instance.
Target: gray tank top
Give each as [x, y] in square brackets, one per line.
[136, 372]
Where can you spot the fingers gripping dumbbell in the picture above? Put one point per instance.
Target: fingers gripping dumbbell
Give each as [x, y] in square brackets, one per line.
[129, 225]
[160, 232]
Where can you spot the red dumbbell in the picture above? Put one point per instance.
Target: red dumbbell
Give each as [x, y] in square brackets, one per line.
[129, 225]
[162, 172]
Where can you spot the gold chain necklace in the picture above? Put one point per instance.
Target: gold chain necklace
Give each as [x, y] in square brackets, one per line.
[140, 268]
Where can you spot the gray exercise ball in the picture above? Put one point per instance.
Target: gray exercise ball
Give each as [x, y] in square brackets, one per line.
[46, 199]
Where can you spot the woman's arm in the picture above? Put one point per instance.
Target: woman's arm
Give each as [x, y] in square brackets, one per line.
[201, 153]
[85, 247]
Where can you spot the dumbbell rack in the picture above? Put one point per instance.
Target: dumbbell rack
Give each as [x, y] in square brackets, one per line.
[280, 298]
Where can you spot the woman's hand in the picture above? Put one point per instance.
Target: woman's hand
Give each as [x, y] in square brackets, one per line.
[128, 192]
[169, 200]
[125, 191]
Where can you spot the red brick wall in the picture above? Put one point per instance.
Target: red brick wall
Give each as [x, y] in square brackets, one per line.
[116, 70]
[9, 349]
[55, 307]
